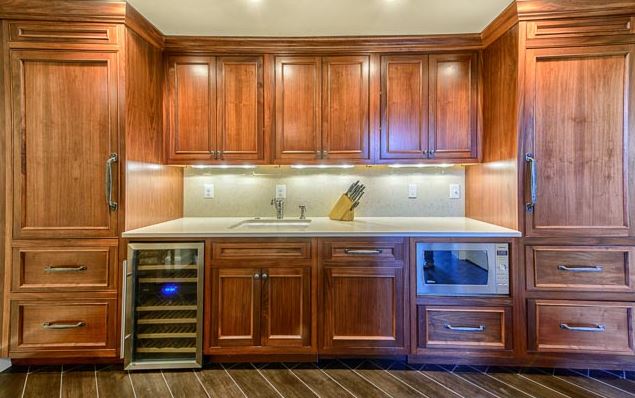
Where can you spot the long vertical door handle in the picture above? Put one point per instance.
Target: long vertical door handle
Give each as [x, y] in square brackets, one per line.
[533, 188]
[113, 158]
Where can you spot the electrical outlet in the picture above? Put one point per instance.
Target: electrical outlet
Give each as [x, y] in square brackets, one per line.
[281, 191]
[208, 191]
[412, 191]
[455, 191]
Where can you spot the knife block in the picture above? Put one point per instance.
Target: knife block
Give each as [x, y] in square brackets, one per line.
[341, 211]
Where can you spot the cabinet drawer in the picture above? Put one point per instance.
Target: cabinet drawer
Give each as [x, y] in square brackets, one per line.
[64, 268]
[581, 326]
[464, 327]
[363, 250]
[259, 250]
[62, 325]
[29, 32]
[580, 268]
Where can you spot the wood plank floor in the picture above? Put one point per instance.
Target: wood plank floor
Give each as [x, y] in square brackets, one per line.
[328, 379]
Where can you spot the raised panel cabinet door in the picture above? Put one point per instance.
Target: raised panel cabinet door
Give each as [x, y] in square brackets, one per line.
[363, 310]
[453, 119]
[286, 307]
[577, 131]
[235, 312]
[191, 108]
[240, 108]
[404, 107]
[298, 109]
[65, 128]
[346, 108]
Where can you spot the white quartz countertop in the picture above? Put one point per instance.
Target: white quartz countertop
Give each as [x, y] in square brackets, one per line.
[442, 227]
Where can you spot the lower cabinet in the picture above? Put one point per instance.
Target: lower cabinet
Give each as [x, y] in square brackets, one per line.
[363, 298]
[259, 310]
[562, 326]
[63, 328]
[464, 327]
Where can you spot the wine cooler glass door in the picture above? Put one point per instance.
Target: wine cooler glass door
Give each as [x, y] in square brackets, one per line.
[163, 312]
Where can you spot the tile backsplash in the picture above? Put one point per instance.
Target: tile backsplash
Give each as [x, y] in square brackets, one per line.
[248, 192]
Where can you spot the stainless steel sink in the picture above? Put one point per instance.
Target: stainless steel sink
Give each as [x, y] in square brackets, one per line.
[272, 222]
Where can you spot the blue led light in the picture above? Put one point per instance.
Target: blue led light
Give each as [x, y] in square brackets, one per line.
[169, 289]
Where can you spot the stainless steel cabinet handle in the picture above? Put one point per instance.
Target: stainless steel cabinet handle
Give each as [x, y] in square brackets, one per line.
[265, 276]
[113, 158]
[431, 152]
[596, 328]
[480, 328]
[580, 268]
[533, 188]
[425, 152]
[256, 276]
[54, 325]
[363, 252]
[65, 268]
[220, 154]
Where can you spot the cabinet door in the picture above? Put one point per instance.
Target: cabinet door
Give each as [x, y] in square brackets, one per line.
[65, 122]
[191, 108]
[453, 106]
[346, 108]
[576, 126]
[298, 109]
[404, 125]
[235, 307]
[363, 310]
[240, 108]
[286, 307]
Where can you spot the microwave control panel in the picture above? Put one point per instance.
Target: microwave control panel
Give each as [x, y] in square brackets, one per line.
[502, 269]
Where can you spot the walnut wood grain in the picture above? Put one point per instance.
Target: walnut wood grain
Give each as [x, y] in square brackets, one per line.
[298, 132]
[65, 128]
[346, 108]
[579, 142]
[580, 268]
[548, 335]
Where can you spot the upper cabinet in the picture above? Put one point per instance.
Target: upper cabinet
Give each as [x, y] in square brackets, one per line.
[65, 129]
[215, 109]
[578, 142]
[429, 108]
[322, 109]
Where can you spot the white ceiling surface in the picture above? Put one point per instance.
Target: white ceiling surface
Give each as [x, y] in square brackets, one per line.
[319, 17]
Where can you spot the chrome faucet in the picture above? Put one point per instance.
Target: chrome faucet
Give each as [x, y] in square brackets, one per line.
[278, 203]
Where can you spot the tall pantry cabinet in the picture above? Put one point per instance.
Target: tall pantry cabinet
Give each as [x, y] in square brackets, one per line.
[66, 99]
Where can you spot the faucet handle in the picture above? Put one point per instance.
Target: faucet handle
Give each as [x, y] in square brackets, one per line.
[302, 212]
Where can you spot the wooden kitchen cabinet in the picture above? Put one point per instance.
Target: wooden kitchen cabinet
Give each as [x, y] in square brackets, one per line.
[363, 297]
[429, 108]
[322, 110]
[65, 128]
[577, 104]
[215, 109]
[259, 309]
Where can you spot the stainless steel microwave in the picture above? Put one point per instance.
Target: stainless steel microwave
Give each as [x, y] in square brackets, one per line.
[462, 269]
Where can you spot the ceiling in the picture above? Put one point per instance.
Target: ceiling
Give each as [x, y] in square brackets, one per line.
[319, 17]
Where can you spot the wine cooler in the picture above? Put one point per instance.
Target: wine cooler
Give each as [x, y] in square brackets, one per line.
[163, 291]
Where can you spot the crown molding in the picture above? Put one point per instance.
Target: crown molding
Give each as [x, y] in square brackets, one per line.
[501, 24]
[529, 10]
[64, 10]
[139, 24]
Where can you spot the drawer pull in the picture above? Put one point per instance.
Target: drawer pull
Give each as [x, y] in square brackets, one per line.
[596, 328]
[54, 325]
[481, 328]
[64, 268]
[363, 252]
[580, 268]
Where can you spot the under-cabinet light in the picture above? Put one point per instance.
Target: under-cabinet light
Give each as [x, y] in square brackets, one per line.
[420, 165]
[322, 166]
[224, 166]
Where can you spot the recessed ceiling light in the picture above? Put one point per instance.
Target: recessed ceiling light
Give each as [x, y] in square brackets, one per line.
[322, 166]
[224, 166]
[420, 165]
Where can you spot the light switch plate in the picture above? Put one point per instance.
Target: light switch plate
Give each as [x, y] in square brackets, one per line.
[412, 191]
[281, 191]
[208, 191]
[455, 191]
